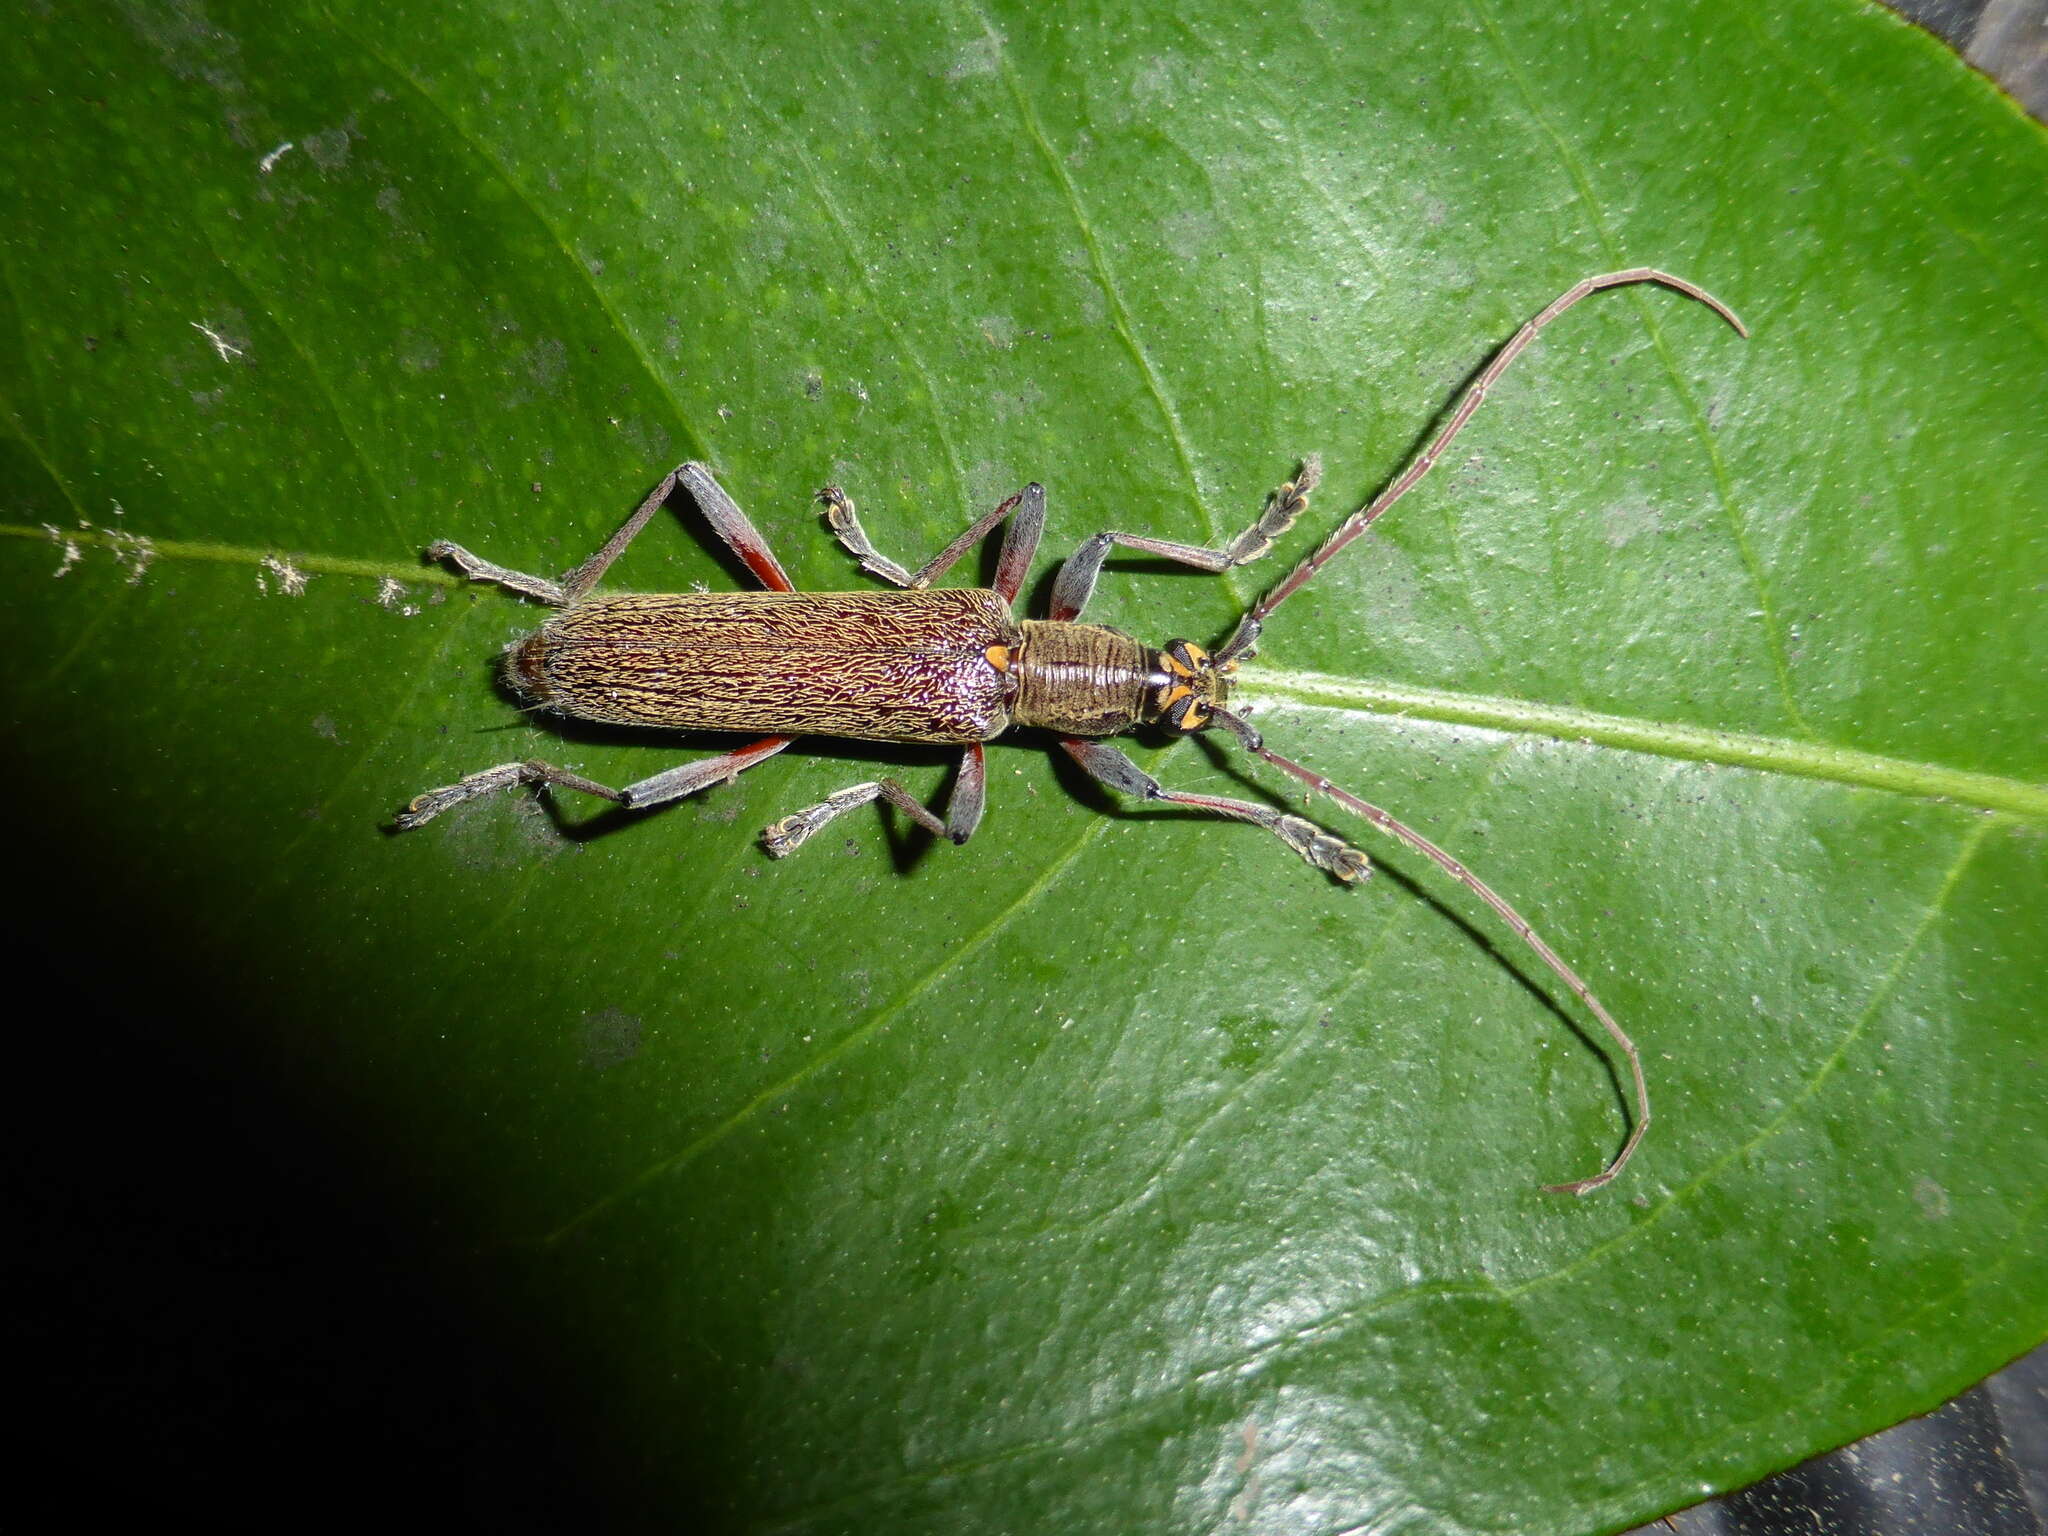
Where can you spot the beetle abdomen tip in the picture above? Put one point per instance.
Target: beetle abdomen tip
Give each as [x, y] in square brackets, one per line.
[525, 669]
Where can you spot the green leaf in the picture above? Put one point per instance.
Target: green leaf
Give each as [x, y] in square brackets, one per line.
[1114, 1173]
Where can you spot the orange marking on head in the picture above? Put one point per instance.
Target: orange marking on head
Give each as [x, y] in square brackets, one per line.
[998, 657]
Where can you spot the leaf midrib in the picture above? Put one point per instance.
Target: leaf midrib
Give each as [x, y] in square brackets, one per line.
[1659, 738]
[1321, 690]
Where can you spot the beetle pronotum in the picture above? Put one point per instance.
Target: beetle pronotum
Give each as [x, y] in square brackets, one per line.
[954, 667]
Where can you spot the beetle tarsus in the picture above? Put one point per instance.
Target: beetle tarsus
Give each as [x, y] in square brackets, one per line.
[963, 807]
[476, 568]
[424, 807]
[784, 837]
[1325, 851]
[1283, 507]
[845, 525]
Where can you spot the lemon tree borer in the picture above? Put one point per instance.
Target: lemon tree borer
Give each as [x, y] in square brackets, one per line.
[956, 667]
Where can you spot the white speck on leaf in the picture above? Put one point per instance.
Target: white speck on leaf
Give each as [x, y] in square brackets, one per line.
[391, 598]
[291, 581]
[72, 553]
[221, 344]
[132, 550]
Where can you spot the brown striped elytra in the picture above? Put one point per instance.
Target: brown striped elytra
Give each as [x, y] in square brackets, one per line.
[871, 666]
[956, 667]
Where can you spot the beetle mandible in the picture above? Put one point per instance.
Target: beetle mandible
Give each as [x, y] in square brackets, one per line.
[956, 667]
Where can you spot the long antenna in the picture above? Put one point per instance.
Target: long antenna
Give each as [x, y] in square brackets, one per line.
[1468, 404]
[1241, 644]
[1396, 828]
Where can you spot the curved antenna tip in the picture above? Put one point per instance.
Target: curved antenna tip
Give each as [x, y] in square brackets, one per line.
[1581, 1187]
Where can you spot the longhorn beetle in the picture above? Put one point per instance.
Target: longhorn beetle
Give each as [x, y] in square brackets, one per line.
[954, 667]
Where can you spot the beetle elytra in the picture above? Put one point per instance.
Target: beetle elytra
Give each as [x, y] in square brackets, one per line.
[956, 667]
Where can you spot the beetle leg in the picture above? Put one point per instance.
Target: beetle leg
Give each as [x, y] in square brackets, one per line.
[1076, 581]
[719, 509]
[845, 525]
[478, 569]
[1020, 541]
[688, 778]
[1327, 852]
[671, 785]
[963, 807]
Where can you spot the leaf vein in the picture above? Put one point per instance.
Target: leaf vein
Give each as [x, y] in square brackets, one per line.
[1660, 738]
[583, 275]
[1317, 690]
[212, 553]
[2012, 287]
[845, 230]
[21, 434]
[1105, 278]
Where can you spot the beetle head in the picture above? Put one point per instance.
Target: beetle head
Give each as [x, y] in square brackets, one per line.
[1187, 687]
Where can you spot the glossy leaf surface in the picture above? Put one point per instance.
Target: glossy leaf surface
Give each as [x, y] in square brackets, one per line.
[1115, 1172]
